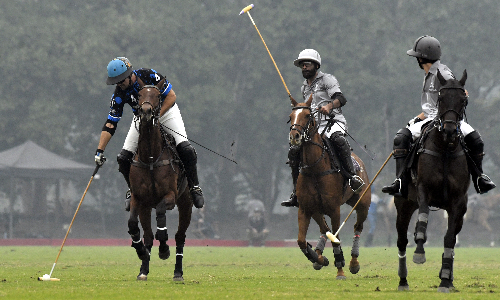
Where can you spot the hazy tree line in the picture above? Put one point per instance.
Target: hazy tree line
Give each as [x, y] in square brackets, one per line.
[54, 55]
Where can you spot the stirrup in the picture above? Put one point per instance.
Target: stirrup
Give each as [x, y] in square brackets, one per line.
[128, 196]
[357, 179]
[487, 184]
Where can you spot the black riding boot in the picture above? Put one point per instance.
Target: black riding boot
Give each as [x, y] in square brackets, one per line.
[343, 149]
[482, 183]
[402, 143]
[294, 162]
[124, 162]
[189, 159]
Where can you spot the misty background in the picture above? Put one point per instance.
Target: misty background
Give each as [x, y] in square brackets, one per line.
[54, 55]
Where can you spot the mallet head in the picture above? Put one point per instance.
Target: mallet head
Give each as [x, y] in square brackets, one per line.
[332, 238]
[47, 277]
[246, 9]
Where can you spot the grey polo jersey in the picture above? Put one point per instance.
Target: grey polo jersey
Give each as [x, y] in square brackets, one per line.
[323, 87]
[430, 91]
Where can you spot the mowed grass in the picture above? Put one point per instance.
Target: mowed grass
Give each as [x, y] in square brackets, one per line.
[238, 273]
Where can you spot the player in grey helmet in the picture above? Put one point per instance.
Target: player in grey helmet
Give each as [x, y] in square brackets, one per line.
[427, 50]
[121, 74]
[328, 100]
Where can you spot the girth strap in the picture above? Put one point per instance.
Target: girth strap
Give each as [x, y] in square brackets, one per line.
[434, 153]
[157, 164]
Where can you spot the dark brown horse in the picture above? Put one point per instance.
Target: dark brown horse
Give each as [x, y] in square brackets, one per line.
[156, 181]
[440, 179]
[321, 191]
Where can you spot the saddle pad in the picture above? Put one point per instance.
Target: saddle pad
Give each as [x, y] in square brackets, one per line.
[356, 165]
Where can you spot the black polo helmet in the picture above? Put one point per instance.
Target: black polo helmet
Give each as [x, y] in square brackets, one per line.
[427, 47]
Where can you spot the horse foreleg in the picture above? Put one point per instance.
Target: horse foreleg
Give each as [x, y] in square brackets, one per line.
[321, 260]
[184, 205]
[361, 216]
[135, 233]
[161, 230]
[421, 233]
[455, 223]
[405, 210]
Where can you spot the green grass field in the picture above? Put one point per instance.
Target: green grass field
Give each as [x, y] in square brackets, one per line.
[238, 273]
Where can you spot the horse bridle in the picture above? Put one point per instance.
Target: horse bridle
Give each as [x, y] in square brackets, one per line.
[459, 114]
[156, 110]
[304, 130]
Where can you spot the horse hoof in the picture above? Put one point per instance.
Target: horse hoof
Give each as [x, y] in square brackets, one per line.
[354, 269]
[142, 277]
[403, 288]
[317, 266]
[419, 258]
[340, 277]
[164, 252]
[443, 289]
[178, 278]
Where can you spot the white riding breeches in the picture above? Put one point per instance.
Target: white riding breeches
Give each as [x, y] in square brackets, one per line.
[416, 128]
[172, 122]
[337, 126]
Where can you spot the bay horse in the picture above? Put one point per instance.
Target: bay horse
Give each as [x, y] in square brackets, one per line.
[321, 190]
[440, 179]
[157, 181]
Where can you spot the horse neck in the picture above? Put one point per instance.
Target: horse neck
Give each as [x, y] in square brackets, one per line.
[437, 141]
[150, 141]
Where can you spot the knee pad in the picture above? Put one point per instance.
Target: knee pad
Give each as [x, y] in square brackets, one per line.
[474, 142]
[402, 142]
[124, 160]
[338, 138]
[187, 153]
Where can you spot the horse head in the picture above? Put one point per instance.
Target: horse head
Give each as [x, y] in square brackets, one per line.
[302, 120]
[452, 101]
[149, 100]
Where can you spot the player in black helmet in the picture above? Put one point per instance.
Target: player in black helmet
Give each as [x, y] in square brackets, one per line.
[427, 51]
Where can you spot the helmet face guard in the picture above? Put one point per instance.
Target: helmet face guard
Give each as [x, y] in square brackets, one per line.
[427, 47]
[118, 69]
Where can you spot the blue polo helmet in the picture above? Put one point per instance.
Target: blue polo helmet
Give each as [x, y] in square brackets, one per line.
[118, 69]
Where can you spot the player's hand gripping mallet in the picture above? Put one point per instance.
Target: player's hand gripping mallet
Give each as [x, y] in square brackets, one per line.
[47, 277]
[247, 10]
[333, 237]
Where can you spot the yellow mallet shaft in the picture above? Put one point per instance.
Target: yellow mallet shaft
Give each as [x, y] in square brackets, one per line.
[333, 237]
[247, 10]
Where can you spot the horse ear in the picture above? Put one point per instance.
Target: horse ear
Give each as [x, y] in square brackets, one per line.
[441, 78]
[294, 103]
[309, 100]
[161, 83]
[464, 78]
[141, 83]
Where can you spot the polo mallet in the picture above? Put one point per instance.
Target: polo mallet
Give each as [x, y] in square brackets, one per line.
[333, 237]
[47, 277]
[247, 10]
